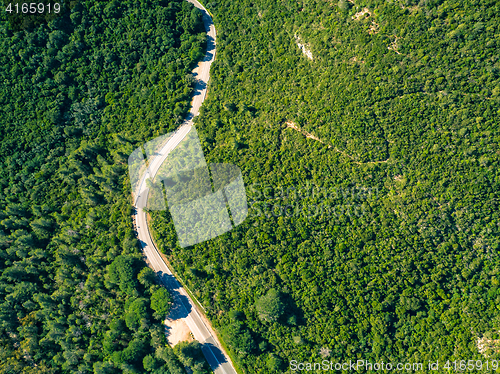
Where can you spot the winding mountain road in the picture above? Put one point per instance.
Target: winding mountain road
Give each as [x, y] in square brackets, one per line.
[184, 306]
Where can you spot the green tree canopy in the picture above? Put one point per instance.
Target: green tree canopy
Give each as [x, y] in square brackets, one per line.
[136, 313]
[270, 307]
[161, 302]
[121, 273]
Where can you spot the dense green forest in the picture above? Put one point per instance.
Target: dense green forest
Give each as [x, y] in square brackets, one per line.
[371, 166]
[403, 98]
[79, 93]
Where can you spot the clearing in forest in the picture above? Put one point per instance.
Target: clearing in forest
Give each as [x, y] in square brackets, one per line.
[177, 331]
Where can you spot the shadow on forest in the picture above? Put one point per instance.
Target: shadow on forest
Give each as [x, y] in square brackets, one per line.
[181, 306]
[209, 350]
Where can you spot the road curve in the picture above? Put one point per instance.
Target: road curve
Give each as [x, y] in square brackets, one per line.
[183, 305]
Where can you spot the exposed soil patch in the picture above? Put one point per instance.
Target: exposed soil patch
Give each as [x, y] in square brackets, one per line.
[177, 331]
[355, 59]
[412, 8]
[359, 15]
[373, 28]
[394, 45]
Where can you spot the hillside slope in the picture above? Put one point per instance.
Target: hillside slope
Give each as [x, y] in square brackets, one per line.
[375, 236]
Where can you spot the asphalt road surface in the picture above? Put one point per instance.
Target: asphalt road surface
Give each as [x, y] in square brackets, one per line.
[203, 332]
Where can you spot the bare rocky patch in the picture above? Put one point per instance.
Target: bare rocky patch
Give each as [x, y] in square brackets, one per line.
[487, 346]
[374, 28]
[359, 15]
[304, 47]
[366, 13]
[394, 45]
[355, 60]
